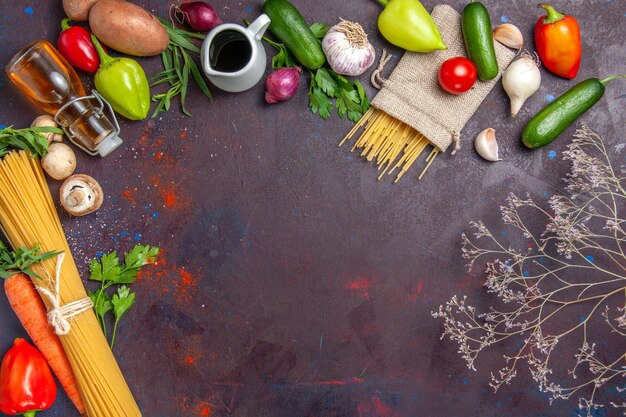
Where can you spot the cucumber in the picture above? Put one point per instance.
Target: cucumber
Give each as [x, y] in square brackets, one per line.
[289, 26]
[553, 119]
[478, 37]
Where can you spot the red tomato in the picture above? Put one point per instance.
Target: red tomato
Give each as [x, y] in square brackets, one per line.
[457, 75]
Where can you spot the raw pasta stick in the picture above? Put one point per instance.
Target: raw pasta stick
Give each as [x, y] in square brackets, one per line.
[28, 216]
[392, 143]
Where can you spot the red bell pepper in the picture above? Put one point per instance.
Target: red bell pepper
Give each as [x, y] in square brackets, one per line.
[557, 38]
[76, 46]
[26, 382]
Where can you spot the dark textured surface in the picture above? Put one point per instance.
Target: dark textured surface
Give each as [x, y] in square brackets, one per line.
[293, 283]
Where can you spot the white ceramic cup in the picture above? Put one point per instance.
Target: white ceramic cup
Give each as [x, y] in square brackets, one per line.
[253, 71]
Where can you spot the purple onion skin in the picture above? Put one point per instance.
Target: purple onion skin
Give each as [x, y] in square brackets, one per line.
[282, 84]
[199, 15]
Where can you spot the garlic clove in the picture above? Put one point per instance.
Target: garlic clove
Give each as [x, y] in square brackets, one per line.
[486, 145]
[509, 35]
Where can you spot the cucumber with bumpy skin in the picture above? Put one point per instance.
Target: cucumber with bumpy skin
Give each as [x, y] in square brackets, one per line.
[289, 26]
[550, 122]
[478, 37]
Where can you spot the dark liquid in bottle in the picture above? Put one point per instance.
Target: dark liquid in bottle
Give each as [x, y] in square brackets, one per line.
[230, 51]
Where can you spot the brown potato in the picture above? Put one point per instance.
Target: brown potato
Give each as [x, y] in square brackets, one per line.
[78, 10]
[127, 28]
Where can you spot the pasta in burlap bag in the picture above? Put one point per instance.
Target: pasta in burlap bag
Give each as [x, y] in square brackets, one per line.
[412, 113]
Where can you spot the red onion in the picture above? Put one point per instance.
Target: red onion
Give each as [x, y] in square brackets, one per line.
[282, 84]
[199, 15]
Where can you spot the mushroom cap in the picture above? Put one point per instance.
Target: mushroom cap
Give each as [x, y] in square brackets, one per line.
[81, 195]
[60, 161]
[45, 120]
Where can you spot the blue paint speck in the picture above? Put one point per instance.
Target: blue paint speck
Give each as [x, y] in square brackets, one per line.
[149, 206]
[29, 10]
[546, 194]
[590, 258]
[5, 17]
[465, 382]
[551, 155]
[542, 259]
[137, 236]
[155, 214]
[526, 273]
[99, 254]
[582, 319]
[503, 233]
[122, 234]
[550, 97]
[504, 19]
[3, 126]
[248, 9]
[349, 158]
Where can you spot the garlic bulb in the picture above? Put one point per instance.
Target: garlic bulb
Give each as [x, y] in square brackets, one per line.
[486, 145]
[347, 49]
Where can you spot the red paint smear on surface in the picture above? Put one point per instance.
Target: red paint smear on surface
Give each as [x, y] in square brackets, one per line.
[417, 290]
[170, 281]
[130, 195]
[361, 286]
[374, 407]
[203, 409]
[352, 380]
[189, 360]
[169, 194]
[183, 133]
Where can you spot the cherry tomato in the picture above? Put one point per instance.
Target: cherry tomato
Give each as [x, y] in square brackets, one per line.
[457, 75]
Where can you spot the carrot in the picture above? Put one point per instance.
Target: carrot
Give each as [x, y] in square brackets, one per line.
[31, 312]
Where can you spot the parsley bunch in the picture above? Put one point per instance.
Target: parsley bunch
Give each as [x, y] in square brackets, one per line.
[21, 260]
[349, 96]
[30, 139]
[108, 271]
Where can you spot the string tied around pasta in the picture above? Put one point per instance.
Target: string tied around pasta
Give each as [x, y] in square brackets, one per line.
[59, 315]
[376, 79]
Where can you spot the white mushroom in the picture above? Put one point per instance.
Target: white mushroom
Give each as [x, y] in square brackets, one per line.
[47, 121]
[59, 162]
[81, 195]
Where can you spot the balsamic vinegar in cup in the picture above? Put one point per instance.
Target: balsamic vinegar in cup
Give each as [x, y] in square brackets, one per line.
[230, 51]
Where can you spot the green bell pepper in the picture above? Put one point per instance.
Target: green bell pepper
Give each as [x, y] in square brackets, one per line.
[407, 24]
[123, 83]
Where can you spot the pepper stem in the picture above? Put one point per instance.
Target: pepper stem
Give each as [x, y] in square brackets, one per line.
[614, 77]
[65, 23]
[553, 15]
[30, 413]
[383, 3]
[104, 57]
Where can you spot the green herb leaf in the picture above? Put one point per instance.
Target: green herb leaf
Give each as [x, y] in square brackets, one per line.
[319, 29]
[21, 260]
[108, 271]
[178, 66]
[325, 81]
[30, 139]
[122, 301]
[320, 103]
[101, 306]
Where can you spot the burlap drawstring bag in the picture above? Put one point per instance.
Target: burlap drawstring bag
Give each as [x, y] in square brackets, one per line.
[412, 113]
